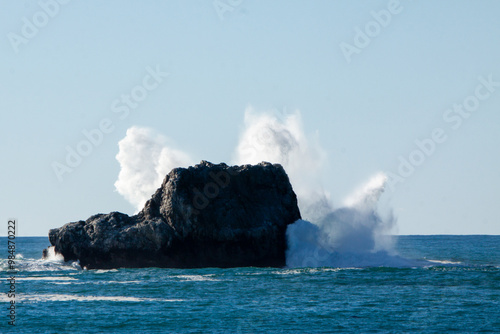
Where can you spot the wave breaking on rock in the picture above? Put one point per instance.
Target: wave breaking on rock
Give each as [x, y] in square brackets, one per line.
[203, 216]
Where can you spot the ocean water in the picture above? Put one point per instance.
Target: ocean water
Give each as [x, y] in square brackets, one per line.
[452, 286]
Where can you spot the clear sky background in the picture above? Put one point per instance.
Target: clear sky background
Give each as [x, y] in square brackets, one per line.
[368, 108]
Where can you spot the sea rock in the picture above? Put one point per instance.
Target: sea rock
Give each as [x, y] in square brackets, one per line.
[203, 216]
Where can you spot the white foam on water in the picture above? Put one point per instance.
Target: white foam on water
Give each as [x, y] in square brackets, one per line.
[53, 262]
[66, 297]
[197, 278]
[104, 271]
[38, 265]
[47, 278]
[352, 236]
[445, 262]
[94, 282]
[122, 282]
[52, 256]
[288, 272]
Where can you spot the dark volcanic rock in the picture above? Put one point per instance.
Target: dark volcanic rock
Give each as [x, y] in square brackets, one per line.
[202, 216]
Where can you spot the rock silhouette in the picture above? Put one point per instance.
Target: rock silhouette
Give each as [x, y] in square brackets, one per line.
[203, 216]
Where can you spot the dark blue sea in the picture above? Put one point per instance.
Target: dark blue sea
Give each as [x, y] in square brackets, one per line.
[454, 287]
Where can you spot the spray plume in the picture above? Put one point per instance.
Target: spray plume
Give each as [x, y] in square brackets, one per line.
[145, 158]
[280, 138]
[353, 235]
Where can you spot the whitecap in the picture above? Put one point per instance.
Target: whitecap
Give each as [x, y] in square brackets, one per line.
[288, 272]
[66, 297]
[197, 278]
[445, 262]
[121, 282]
[46, 278]
[104, 271]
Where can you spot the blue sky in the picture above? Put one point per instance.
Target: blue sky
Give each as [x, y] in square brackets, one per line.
[368, 108]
